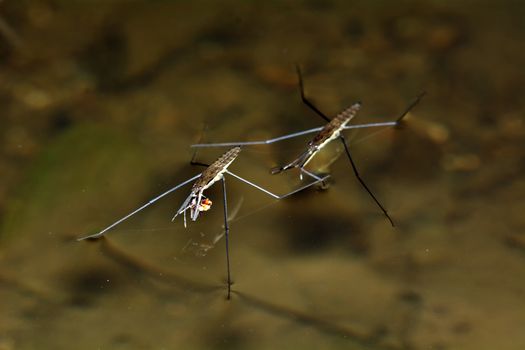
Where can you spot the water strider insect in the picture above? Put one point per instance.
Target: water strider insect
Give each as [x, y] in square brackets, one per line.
[197, 202]
[325, 134]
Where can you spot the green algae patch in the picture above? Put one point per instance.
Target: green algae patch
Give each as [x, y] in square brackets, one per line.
[81, 176]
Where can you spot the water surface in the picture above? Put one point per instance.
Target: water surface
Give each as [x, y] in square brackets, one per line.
[102, 100]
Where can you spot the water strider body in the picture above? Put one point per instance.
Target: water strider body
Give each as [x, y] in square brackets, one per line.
[197, 202]
[331, 131]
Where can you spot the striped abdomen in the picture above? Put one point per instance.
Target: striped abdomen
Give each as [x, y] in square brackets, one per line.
[334, 126]
[214, 172]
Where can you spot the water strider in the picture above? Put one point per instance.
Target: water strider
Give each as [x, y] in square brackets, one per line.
[325, 134]
[197, 202]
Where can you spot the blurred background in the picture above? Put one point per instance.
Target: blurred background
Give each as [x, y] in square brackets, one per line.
[100, 101]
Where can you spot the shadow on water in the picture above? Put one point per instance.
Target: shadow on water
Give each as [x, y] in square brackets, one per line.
[135, 266]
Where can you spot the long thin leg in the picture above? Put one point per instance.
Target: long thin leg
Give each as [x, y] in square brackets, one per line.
[183, 208]
[194, 211]
[194, 162]
[306, 132]
[343, 140]
[309, 173]
[297, 162]
[199, 164]
[303, 97]
[260, 142]
[313, 130]
[227, 236]
[312, 175]
[273, 194]
[288, 136]
[393, 123]
[370, 125]
[96, 235]
[412, 105]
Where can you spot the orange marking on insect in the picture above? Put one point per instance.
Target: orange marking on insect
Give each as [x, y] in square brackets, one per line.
[205, 204]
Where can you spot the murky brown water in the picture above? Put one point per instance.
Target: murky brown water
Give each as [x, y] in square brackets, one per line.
[101, 100]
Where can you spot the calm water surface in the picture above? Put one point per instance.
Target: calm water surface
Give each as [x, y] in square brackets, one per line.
[101, 100]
